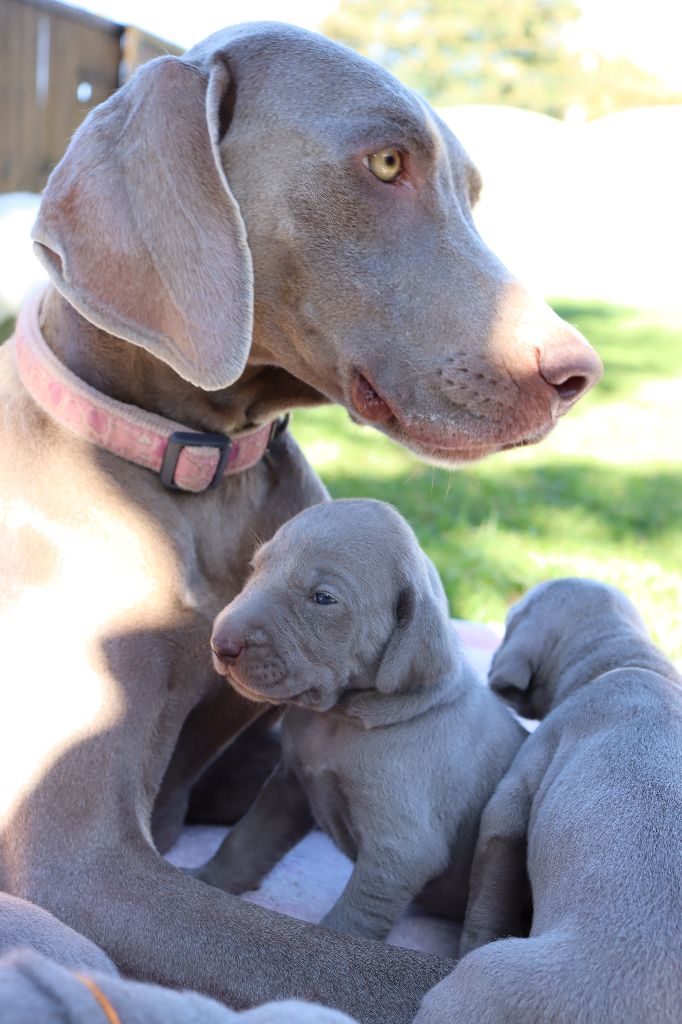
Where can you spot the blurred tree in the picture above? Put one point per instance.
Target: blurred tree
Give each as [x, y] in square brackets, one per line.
[491, 51]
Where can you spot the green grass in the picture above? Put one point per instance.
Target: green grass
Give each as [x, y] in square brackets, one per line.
[601, 497]
[6, 327]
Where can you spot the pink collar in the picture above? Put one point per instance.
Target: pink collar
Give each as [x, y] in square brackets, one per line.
[184, 459]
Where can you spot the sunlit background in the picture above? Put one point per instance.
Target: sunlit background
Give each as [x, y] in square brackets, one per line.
[573, 112]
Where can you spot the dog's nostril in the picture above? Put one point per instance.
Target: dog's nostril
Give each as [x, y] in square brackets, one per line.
[227, 649]
[569, 365]
[572, 388]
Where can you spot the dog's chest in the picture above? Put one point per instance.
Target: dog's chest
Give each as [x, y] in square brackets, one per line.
[315, 747]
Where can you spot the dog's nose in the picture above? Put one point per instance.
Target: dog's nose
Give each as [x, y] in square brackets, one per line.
[569, 364]
[228, 648]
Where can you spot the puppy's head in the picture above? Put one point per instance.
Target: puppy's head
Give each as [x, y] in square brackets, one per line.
[556, 626]
[342, 598]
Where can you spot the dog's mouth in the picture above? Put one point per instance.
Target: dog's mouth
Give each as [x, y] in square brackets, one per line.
[373, 407]
[368, 402]
[307, 698]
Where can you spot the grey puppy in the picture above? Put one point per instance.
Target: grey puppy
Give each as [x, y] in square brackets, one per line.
[345, 615]
[592, 809]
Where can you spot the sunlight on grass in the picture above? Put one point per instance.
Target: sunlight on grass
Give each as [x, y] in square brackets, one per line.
[601, 497]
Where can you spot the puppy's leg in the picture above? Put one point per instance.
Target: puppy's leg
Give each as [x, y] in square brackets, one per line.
[277, 820]
[499, 889]
[378, 891]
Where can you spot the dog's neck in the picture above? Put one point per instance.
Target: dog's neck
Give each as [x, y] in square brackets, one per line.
[616, 648]
[130, 374]
[371, 709]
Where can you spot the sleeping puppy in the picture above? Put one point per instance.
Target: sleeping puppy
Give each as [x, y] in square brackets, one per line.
[389, 739]
[592, 809]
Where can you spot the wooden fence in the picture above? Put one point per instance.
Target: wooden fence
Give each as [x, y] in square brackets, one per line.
[56, 63]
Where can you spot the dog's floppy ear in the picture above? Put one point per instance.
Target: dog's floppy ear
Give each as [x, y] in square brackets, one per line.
[139, 230]
[421, 648]
[515, 672]
[511, 668]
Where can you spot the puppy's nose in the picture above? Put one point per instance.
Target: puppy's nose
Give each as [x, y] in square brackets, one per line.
[228, 648]
[569, 364]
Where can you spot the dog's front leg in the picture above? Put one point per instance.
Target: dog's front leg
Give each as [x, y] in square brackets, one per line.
[279, 818]
[499, 893]
[159, 924]
[381, 886]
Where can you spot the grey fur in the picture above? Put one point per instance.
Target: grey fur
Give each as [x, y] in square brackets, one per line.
[35, 990]
[388, 736]
[213, 226]
[592, 810]
[25, 926]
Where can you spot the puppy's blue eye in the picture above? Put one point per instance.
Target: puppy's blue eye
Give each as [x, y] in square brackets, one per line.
[322, 597]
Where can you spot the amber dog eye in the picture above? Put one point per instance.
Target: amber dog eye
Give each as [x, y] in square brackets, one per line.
[386, 164]
[322, 597]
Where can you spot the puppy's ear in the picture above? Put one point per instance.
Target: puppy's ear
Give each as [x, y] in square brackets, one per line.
[139, 230]
[512, 667]
[517, 671]
[421, 648]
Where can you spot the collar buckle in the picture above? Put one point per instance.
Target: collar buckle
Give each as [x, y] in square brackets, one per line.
[189, 439]
[278, 427]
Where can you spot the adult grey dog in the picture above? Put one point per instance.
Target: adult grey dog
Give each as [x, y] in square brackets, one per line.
[345, 614]
[592, 809]
[270, 221]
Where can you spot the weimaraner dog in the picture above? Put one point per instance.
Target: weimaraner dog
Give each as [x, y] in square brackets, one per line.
[389, 737]
[591, 811]
[268, 222]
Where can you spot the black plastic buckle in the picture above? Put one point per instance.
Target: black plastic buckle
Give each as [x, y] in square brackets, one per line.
[278, 427]
[189, 439]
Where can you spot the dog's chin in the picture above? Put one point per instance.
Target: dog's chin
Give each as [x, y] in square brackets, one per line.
[244, 690]
[450, 456]
[449, 449]
[313, 698]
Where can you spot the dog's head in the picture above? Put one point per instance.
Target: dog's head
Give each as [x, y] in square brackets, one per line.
[274, 196]
[558, 636]
[341, 599]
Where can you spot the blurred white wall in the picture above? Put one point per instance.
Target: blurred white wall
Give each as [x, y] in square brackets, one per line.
[577, 210]
[19, 269]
